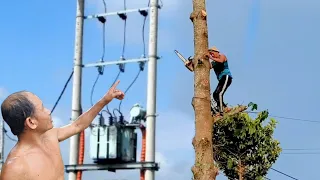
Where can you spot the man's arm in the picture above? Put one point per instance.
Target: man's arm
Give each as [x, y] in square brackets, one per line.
[221, 59]
[85, 119]
[189, 66]
[82, 122]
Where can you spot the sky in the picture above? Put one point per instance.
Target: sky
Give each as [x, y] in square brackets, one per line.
[271, 46]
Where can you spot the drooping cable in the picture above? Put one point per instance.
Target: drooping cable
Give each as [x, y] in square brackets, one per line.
[143, 34]
[62, 92]
[124, 28]
[284, 174]
[123, 16]
[134, 80]
[141, 64]
[92, 89]
[100, 68]
[288, 118]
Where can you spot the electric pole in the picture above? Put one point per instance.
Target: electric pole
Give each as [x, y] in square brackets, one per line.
[76, 90]
[203, 168]
[151, 88]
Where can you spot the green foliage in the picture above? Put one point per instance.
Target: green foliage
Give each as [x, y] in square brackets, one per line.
[240, 138]
[254, 106]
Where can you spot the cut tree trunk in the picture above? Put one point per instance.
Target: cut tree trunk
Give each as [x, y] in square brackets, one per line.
[203, 168]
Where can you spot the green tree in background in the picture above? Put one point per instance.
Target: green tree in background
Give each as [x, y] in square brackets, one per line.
[245, 148]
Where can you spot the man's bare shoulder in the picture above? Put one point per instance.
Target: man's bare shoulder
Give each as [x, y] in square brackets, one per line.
[52, 134]
[15, 168]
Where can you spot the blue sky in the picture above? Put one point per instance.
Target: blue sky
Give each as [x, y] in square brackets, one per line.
[272, 51]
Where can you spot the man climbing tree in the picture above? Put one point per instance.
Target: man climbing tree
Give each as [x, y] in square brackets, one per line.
[220, 66]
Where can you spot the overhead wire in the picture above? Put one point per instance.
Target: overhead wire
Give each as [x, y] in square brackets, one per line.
[101, 68]
[307, 151]
[121, 66]
[302, 149]
[288, 118]
[283, 173]
[92, 89]
[134, 80]
[141, 66]
[143, 36]
[124, 28]
[304, 153]
[62, 92]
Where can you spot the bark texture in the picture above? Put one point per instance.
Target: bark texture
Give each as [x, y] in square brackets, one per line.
[203, 168]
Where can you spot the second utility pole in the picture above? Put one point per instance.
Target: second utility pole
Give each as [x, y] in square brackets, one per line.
[76, 90]
[152, 88]
[204, 168]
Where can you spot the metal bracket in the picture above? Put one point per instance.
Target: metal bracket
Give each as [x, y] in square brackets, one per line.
[117, 62]
[112, 167]
[116, 13]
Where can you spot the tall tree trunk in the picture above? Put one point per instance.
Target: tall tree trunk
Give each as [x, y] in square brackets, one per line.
[203, 168]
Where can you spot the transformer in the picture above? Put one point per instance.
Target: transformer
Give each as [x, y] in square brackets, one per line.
[115, 143]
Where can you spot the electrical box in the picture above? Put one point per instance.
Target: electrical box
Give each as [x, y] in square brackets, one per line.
[128, 144]
[113, 144]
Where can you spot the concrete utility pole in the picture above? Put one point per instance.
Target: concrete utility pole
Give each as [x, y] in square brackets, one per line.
[204, 168]
[151, 88]
[76, 91]
[1, 144]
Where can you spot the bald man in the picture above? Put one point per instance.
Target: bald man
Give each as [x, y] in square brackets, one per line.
[37, 156]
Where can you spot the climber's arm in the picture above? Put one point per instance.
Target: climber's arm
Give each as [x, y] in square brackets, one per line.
[189, 65]
[220, 59]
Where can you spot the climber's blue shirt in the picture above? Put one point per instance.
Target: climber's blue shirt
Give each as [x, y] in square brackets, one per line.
[221, 69]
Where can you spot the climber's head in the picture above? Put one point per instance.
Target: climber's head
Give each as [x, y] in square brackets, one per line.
[214, 51]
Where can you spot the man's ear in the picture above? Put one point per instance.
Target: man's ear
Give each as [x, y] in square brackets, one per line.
[31, 123]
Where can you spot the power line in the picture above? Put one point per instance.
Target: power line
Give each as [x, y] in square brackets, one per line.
[304, 153]
[141, 65]
[283, 173]
[92, 89]
[143, 38]
[64, 88]
[288, 118]
[124, 17]
[295, 119]
[302, 149]
[134, 80]
[143, 27]
[104, 45]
